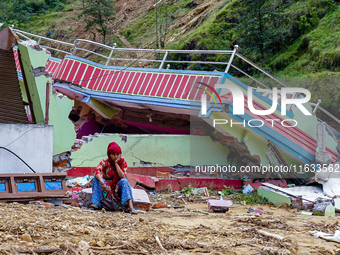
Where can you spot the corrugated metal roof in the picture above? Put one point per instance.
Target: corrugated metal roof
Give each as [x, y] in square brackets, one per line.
[12, 109]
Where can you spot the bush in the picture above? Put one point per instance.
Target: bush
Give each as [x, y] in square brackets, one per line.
[238, 197]
[314, 18]
[304, 25]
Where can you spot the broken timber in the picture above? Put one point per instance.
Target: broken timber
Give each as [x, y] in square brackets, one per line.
[14, 187]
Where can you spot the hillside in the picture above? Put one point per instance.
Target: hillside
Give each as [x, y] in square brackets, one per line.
[298, 41]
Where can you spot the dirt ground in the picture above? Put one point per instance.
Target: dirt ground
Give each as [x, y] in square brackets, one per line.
[34, 229]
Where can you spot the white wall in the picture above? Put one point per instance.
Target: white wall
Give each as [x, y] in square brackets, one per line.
[32, 143]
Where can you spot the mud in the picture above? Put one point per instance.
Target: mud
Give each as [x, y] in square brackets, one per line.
[33, 229]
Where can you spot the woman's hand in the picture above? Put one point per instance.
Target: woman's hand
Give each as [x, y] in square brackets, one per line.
[118, 158]
[105, 187]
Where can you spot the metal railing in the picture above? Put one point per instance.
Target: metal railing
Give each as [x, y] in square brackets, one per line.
[74, 48]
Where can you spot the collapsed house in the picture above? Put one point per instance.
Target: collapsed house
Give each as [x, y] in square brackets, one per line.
[168, 122]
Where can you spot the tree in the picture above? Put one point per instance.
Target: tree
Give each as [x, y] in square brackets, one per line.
[260, 25]
[17, 12]
[314, 18]
[304, 25]
[98, 14]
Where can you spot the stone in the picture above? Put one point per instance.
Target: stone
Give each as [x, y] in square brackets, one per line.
[93, 243]
[26, 237]
[100, 244]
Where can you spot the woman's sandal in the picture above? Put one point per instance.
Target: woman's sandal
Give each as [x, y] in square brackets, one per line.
[95, 207]
[133, 211]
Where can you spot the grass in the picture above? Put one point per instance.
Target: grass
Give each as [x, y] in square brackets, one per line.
[311, 60]
[142, 31]
[238, 197]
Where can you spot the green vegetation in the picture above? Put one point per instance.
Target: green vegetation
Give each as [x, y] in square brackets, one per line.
[238, 197]
[296, 40]
[21, 13]
[97, 15]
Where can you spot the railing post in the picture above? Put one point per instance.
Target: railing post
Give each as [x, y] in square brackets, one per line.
[39, 41]
[109, 58]
[231, 59]
[317, 105]
[163, 61]
[76, 44]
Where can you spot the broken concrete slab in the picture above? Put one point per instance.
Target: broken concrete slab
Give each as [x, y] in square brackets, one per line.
[274, 197]
[324, 209]
[336, 201]
[141, 199]
[301, 197]
[329, 179]
[219, 205]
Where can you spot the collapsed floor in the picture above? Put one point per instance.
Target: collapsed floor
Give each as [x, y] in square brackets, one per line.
[34, 229]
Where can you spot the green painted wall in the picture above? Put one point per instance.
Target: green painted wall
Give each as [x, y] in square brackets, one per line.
[63, 129]
[59, 108]
[159, 150]
[274, 197]
[32, 59]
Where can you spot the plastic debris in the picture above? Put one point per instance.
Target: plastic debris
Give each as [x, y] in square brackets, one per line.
[253, 210]
[247, 189]
[81, 181]
[326, 236]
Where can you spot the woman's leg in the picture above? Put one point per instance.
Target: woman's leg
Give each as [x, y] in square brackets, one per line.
[125, 193]
[97, 192]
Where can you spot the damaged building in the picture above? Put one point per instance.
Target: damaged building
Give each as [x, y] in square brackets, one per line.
[178, 122]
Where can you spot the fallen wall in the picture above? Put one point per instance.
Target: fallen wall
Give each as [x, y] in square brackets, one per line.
[32, 143]
[151, 150]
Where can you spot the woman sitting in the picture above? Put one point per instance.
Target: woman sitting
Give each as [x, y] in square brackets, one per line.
[110, 175]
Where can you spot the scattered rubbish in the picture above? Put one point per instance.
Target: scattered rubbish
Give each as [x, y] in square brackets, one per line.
[159, 243]
[253, 210]
[219, 205]
[85, 197]
[75, 196]
[201, 191]
[196, 191]
[302, 197]
[326, 236]
[79, 181]
[247, 189]
[70, 200]
[163, 175]
[265, 233]
[141, 199]
[329, 178]
[200, 211]
[35, 202]
[324, 208]
[178, 206]
[307, 213]
[336, 201]
[159, 205]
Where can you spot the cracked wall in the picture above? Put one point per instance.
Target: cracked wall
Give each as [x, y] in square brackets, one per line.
[151, 150]
[34, 60]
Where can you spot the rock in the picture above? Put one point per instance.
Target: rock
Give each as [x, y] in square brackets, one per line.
[175, 15]
[141, 219]
[100, 244]
[93, 243]
[26, 237]
[201, 245]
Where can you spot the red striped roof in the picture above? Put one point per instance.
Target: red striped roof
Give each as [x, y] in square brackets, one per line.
[169, 85]
[295, 134]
